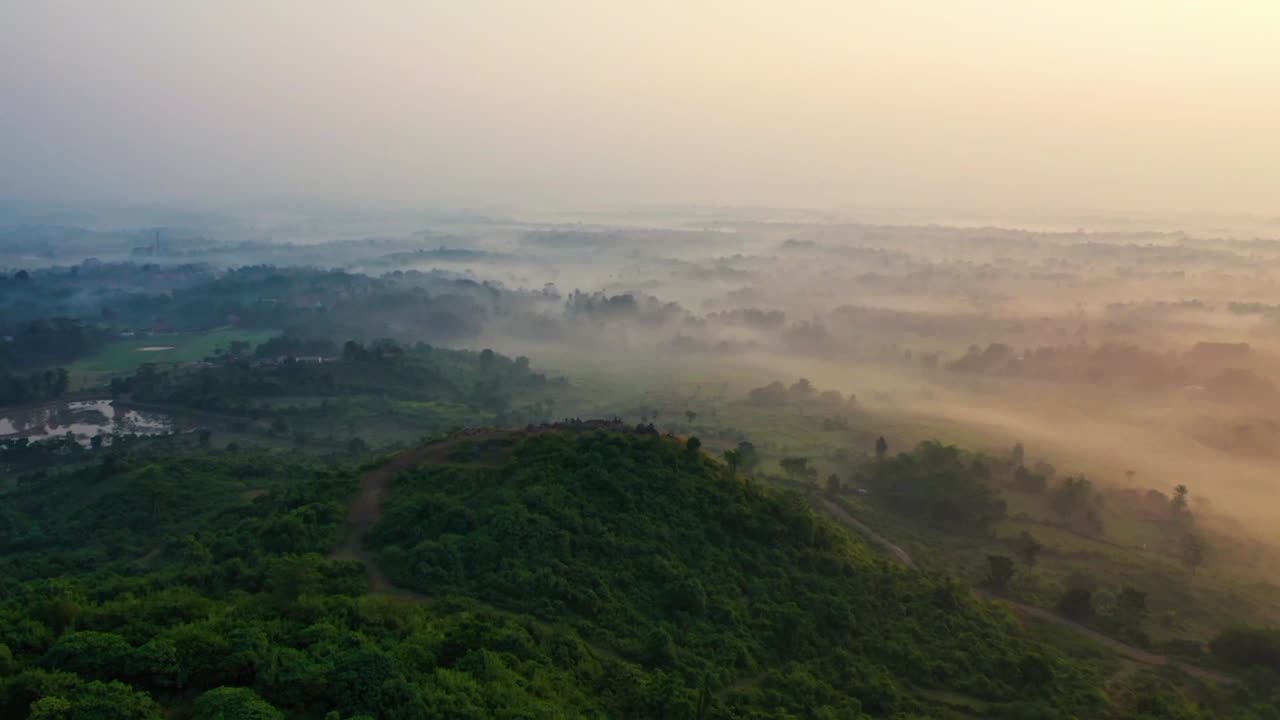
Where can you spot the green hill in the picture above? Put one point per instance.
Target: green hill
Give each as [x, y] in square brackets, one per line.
[735, 601]
[558, 573]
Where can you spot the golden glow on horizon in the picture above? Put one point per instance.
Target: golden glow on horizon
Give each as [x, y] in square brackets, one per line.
[1117, 103]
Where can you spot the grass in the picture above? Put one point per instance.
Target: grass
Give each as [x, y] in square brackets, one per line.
[125, 356]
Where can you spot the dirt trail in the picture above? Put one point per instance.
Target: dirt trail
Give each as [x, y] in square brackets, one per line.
[1129, 651]
[895, 552]
[366, 511]
[1133, 653]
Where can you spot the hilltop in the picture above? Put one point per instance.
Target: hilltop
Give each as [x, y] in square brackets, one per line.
[579, 570]
[734, 599]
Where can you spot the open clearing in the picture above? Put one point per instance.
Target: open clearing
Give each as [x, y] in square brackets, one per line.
[126, 355]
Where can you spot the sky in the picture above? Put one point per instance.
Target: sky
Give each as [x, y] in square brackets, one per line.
[1143, 104]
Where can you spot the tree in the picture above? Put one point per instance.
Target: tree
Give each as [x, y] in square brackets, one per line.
[999, 572]
[353, 351]
[205, 436]
[748, 457]
[1028, 548]
[660, 649]
[1178, 504]
[1075, 501]
[95, 701]
[732, 458]
[156, 487]
[91, 654]
[882, 447]
[1248, 647]
[1131, 609]
[690, 416]
[802, 389]
[937, 484]
[61, 381]
[693, 446]
[1077, 603]
[797, 468]
[774, 393]
[1017, 455]
[833, 483]
[1193, 550]
[1029, 480]
[1036, 671]
[234, 703]
[357, 679]
[1044, 470]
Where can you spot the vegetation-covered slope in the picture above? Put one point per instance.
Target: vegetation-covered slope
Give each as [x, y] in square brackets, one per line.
[650, 551]
[555, 574]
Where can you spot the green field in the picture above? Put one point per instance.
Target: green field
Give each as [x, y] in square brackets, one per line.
[124, 356]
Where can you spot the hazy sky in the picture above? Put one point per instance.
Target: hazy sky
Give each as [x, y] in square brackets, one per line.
[1153, 104]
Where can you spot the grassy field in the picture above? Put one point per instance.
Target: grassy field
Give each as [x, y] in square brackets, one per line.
[124, 356]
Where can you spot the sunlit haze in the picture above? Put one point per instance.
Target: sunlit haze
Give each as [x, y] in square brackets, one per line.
[1135, 104]
[693, 360]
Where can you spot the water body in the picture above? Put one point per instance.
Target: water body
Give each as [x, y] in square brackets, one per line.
[83, 419]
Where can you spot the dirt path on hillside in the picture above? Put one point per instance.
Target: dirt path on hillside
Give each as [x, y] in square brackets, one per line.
[1121, 648]
[366, 511]
[895, 552]
[1133, 653]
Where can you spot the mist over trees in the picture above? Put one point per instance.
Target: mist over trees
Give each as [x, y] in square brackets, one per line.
[1014, 419]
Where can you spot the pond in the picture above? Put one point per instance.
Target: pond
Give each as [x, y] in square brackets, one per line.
[84, 419]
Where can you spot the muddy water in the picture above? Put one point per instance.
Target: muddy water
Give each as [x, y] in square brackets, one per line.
[84, 419]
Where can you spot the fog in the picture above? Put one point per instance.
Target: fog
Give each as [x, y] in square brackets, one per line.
[1138, 358]
[1004, 106]
[1005, 223]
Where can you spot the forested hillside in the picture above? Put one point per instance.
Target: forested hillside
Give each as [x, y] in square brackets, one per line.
[734, 600]
[557, 572]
